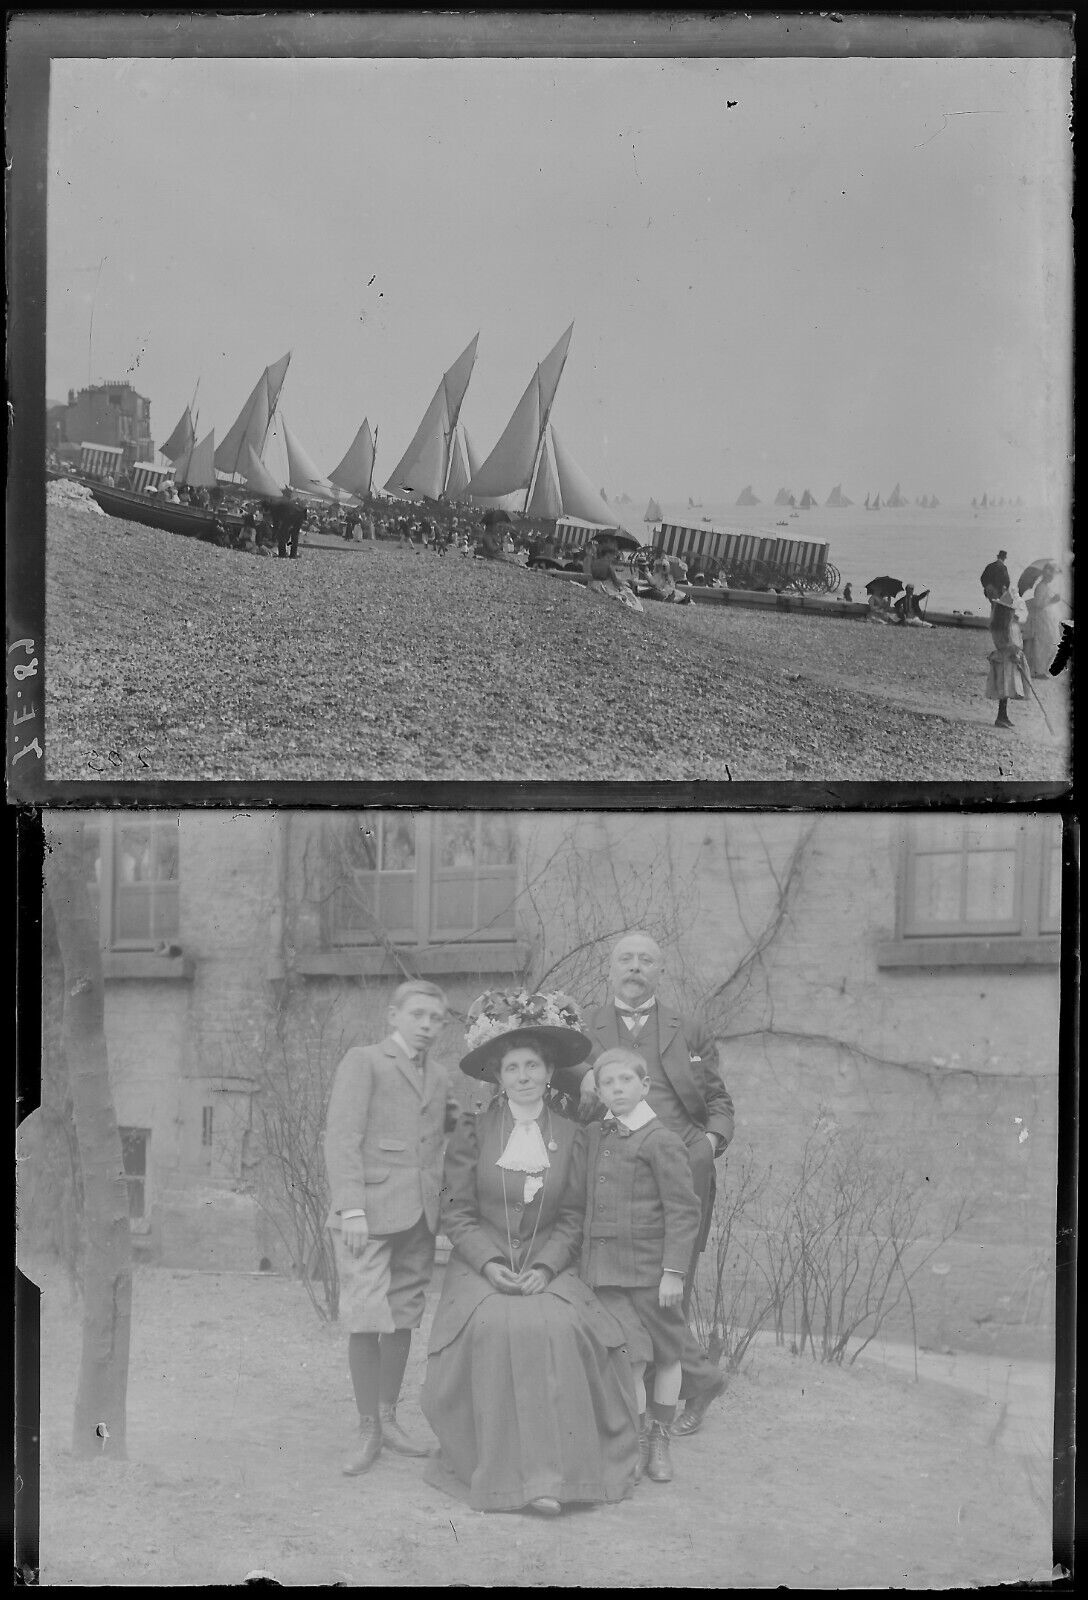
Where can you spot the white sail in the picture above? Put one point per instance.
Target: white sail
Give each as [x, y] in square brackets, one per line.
[510, 466]
[457, 481]
[302, 473]
[249, 427]
[580, 497]
[275, 375]
[355, 473]
[423, 467]
[257, 475]
[251, 424]
[653, 512]
[197, 469]
[546, 501]
[182, 439]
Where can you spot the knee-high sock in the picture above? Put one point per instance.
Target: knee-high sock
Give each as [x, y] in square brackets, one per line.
[394, 1358]
[364, 1366]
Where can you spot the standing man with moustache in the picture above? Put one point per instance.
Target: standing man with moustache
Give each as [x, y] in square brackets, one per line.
[687, 1095]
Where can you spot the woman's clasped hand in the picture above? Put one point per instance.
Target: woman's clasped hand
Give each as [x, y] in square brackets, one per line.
[507, 1281]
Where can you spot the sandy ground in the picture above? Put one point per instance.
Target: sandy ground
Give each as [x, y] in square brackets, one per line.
[170, 659]
[803, 1476]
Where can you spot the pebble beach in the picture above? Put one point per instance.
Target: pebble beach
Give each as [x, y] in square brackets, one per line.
[171, 660]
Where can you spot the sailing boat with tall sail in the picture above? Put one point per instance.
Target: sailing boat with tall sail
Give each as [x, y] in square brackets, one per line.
[253, 421]
[652, 512]
[424, 466]
[181, 441]
[511, 468]
[302, 474]
[356, 472]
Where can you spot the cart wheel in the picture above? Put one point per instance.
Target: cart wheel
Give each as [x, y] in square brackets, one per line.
[832, 578]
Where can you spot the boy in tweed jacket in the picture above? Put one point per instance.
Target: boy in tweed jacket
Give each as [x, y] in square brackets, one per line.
[388, 1111]
[642, 1221]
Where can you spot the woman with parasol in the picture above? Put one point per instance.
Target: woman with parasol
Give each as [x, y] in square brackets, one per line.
[1043, 629]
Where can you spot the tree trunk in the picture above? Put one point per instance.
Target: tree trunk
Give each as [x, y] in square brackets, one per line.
[99, 1423]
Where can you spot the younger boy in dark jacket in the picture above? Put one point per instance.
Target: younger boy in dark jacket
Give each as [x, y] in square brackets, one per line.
[642, 1221]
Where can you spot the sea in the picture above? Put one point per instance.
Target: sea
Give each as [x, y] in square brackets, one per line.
[943, 550]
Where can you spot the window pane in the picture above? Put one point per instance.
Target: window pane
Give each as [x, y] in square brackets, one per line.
[454, 905]
[134, 855]
[398, 844]
[497, 901]
[1052, 888]
[991, 886]
[134, 913]
[937, 888]
[939, 833]
[361, 845]
[992, 833]
[166, 853]
[396, 903]
[164, 911]
[496, 840]
[456, 841]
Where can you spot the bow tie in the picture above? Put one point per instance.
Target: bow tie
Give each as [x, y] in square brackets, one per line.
[611, 1125]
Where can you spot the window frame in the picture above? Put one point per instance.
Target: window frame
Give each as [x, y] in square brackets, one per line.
[1024, 941]
[137, 957]
[137, 1223]
[424, 950]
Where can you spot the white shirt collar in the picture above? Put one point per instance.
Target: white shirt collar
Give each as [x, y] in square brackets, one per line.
[638, 1118]
[647, 1005]
[398, 1039]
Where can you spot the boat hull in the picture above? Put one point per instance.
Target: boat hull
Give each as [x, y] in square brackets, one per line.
[168, 515]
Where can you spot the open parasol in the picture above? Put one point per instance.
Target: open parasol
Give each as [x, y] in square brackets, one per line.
[1031, 575]
[889, 587]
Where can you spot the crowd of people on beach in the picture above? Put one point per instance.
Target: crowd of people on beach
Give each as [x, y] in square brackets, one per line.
[561, 1362]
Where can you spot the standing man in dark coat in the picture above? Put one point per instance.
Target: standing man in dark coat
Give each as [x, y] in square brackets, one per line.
[687, 1095]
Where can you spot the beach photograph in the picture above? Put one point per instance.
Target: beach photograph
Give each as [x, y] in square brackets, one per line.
[540, 418]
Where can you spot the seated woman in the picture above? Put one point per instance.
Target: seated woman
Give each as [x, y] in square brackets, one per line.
[528, 1385]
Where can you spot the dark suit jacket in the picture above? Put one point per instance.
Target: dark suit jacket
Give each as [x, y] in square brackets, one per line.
[383, 1138]
[642, 1213]
[474, 1220]
[689, 1058]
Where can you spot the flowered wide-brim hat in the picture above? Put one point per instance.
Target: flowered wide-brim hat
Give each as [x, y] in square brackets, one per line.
[500, 1020]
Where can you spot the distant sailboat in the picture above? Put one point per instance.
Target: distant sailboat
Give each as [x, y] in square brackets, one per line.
[895, 499]
[983, 503]
[876, 504]
[807, 501]
[867, 506]
[356, 472]
[837, 499]
[746, 497]
[252, 423]
[653, 513]
[512, 464]
[782, 498]
[424, 466]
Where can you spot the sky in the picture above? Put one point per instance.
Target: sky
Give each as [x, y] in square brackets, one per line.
[780, 271]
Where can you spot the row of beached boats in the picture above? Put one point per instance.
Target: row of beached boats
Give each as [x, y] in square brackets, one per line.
[530, 469]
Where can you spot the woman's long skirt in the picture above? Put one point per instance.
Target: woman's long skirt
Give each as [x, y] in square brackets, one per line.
[528, 1402]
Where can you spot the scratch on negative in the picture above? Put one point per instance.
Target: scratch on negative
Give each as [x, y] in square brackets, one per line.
[983, 112]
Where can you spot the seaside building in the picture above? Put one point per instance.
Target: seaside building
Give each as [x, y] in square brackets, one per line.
[897, 978]
[106, 414]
